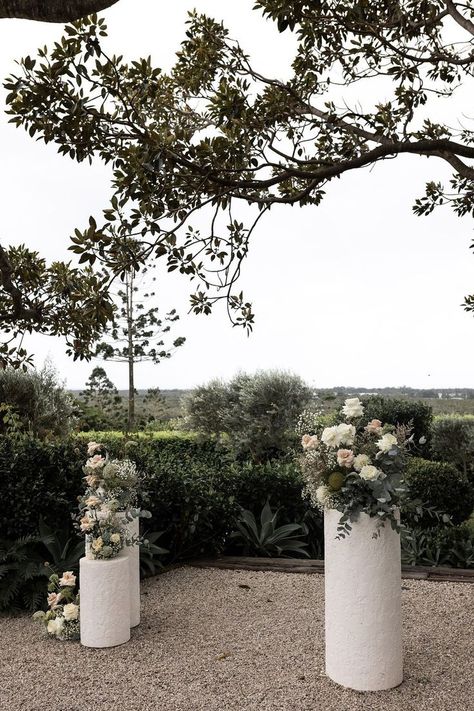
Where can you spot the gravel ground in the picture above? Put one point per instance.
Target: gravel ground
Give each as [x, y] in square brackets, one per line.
[221, 640]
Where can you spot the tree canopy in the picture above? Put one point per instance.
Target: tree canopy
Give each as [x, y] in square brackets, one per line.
[51, 10]
[214, 131]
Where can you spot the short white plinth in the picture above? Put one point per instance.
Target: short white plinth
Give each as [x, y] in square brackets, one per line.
[105, 602]
[363, 605]
[133, 555]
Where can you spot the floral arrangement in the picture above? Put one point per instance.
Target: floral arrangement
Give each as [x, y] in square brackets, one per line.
[111, 488]
[62, 617]
[354, 466]
[105, 536]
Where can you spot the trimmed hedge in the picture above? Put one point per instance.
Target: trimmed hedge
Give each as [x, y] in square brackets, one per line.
[192, 491]
[403, 412]
[453, 441]
[442, 486]
[38, 479]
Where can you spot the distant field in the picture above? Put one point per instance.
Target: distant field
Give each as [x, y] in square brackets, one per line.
[456, 401]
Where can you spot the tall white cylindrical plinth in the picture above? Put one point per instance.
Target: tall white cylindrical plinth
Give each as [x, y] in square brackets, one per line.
[133, 554]
[105, 602]
[363, 605]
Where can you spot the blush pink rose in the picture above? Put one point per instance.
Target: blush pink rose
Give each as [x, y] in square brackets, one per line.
[345, 457]
[53, 599]
[309, 442]
[374, 427]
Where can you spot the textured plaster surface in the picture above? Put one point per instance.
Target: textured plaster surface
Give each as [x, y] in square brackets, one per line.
[105, 602]
[363, 605]
[221, 640]
[133, 555]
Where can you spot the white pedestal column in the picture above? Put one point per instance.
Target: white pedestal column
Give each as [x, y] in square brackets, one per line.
[105, 602]
[133, 555]
[362, 605]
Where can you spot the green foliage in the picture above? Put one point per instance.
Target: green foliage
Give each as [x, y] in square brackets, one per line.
[442, 486]
[35, 402]
[54, 299]
[27, 563]
[256, 412]
[151, 554]
[214, 130]
[38, 479]
[450, 546]
[103, 406]
[404, 412]
[268, 539]
[453, 441]
[60, 550]
[23, 575]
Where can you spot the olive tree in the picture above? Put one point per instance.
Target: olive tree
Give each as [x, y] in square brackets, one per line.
[255, 415]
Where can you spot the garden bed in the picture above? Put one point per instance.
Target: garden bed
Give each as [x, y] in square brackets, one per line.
[303, 565]
[227, 640]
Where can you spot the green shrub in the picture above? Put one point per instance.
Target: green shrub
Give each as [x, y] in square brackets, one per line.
[278, 481]
[35, 402]
[38, 479]
[257, 413]
[451, 546]
[27, 563]
[442, 486]
[403, 412]
[453, 441]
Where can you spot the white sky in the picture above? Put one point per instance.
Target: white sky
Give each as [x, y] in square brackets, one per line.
[356, 292]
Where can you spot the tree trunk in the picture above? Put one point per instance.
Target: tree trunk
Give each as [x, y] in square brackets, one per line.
[52, 10]
[131, 380]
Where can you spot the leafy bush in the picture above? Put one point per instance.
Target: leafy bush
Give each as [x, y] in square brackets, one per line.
[266, 539]
[453, 441]
[35, 402]
[403, 412]
[38, 479]
[27, 563]
[451, 546]
[442, 486]
[256, 412]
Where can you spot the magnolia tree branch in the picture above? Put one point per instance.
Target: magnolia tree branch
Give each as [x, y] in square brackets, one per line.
[459, 17]
[52, 10]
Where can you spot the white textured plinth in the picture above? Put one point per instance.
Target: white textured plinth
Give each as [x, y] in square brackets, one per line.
[105, 602]
[363, 601]
[133, 555]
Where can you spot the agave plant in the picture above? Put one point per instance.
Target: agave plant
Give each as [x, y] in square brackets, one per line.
[62, 552]
[266, 538]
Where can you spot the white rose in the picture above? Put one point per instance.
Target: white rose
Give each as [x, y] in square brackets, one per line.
[115, 538]
[369, 472]
[71, 611]
[386, 442]
[55, 626]
[353, 407]
[361, 461]
[330, 437]
[346, 433]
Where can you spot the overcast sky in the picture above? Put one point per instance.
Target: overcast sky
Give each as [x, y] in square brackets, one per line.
[357, 291]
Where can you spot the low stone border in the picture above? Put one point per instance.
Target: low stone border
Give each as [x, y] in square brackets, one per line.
[297, 565]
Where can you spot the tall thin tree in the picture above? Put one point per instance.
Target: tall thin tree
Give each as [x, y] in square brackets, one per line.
[137, 332]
